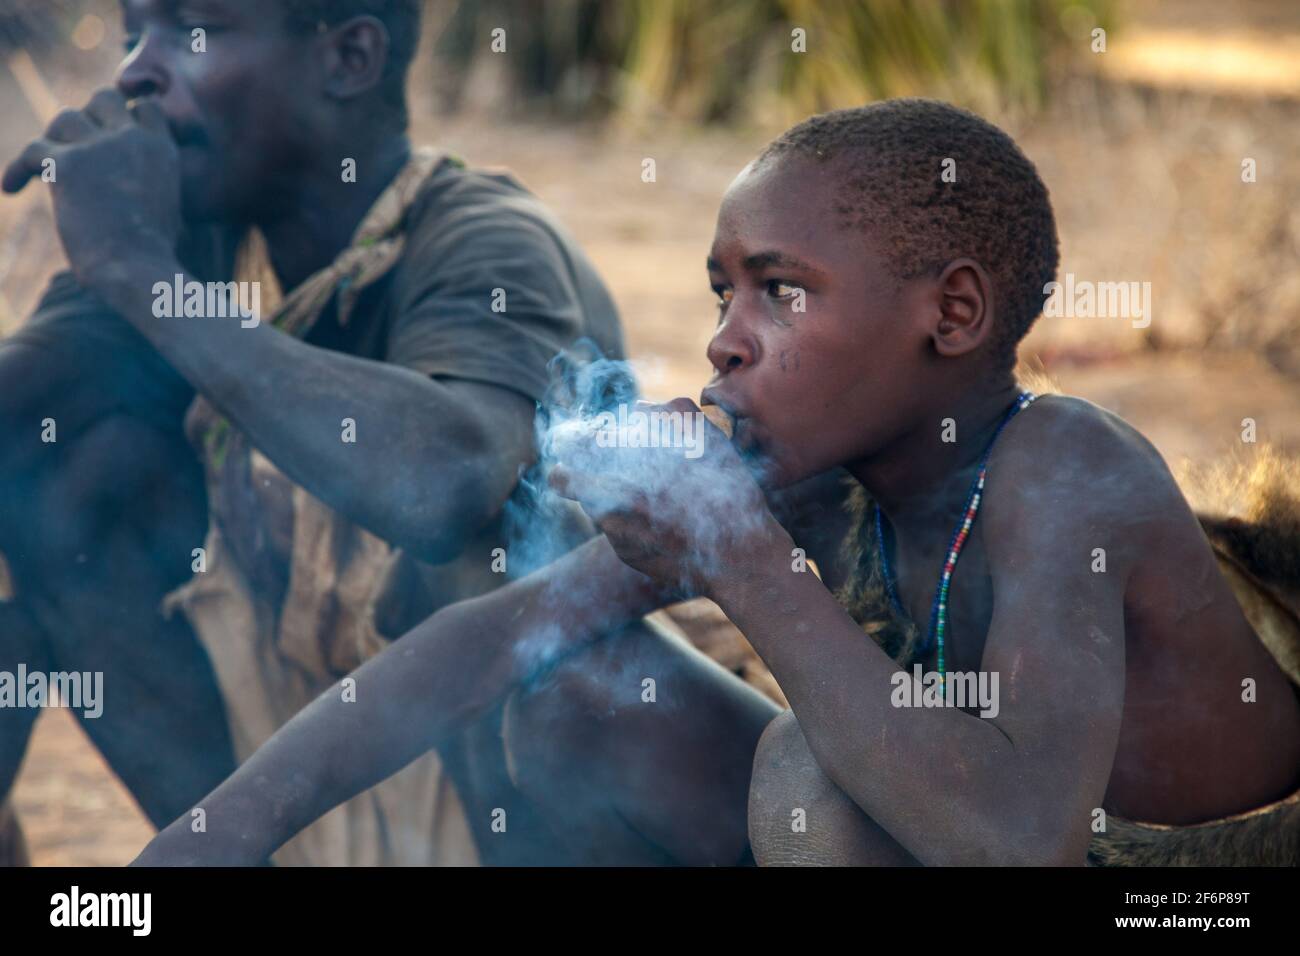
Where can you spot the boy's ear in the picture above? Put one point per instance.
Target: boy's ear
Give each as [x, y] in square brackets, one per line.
[356, 53]
[965, 308]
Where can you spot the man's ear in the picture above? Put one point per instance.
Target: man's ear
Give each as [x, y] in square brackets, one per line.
[965, 308]
[357, 52]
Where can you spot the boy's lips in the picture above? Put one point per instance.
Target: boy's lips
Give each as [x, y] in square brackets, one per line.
[715, 411]
[710, 397]
[742, 436]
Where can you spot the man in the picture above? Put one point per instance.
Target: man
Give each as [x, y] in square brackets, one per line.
[422, 301]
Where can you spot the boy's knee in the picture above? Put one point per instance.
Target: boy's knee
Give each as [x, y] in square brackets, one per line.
[783, 794]
[781, 745]
[614, 733]
[585, 716]
[546, 724]
[781, 756]
[799, 817]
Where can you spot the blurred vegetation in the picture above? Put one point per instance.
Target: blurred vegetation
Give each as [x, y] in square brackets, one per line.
[712, 60]
[718, 60]
[34, 25]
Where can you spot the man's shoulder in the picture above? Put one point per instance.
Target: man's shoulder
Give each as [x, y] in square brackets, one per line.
[458, 198]
[469, 221]
[480, 229]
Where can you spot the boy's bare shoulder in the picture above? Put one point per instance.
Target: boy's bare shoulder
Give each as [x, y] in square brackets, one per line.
[1065, 462]
[1075, 441]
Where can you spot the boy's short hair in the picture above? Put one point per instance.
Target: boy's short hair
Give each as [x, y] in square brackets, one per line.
[996, 211]
[400, 17]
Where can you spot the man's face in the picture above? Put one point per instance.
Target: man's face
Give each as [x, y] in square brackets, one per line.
[836, 382]
[237, 108]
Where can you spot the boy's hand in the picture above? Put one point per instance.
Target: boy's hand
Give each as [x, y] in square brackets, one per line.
[114, 177]
[681, 514]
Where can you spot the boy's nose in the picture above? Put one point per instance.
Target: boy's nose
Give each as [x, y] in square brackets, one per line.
[731, 348]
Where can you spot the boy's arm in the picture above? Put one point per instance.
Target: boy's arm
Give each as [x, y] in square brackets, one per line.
[1015, 787]
[406, 699]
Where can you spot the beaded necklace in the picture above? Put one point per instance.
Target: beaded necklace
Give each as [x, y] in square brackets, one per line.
[939, 609]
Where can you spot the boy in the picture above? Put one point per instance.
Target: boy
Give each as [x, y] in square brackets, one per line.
[869, 316]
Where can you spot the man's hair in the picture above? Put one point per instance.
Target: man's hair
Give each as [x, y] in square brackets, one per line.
[400, 17]
[996, 210]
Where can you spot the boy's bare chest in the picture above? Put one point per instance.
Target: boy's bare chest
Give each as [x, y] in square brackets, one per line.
[968, 608]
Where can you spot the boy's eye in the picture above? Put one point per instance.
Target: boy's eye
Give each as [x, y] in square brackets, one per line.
[724, 294]
[782, 290]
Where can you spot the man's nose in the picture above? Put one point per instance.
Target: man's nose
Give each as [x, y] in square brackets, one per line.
[142, 73]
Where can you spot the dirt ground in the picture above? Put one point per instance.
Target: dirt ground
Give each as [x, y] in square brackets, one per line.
[1144, 188]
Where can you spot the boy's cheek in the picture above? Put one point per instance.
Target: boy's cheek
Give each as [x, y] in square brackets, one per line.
[790, 452]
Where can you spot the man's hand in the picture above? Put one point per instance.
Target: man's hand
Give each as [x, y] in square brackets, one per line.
[114, 175]
[682, 520]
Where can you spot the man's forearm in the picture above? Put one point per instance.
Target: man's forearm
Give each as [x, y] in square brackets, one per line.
[291, 399]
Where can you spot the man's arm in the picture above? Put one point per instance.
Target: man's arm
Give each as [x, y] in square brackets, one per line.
[407, 699]
[432, 461]
[447, 455]
[950, 787]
